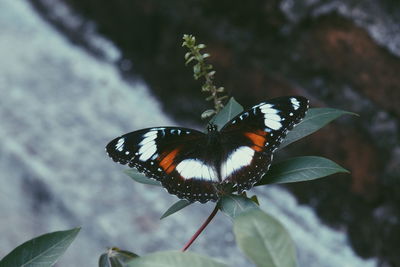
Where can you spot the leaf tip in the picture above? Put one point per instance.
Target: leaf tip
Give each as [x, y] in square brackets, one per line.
[345, 170]
[127, 171]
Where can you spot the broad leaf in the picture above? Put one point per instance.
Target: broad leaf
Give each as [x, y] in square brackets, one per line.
[141, 178]
[315, 119]
[300, 169]
[231, 109]
[234, 205]
[42, 251]
[177, 206]
[264, 240]
[106, 261]
[116, 257]
[174, 259]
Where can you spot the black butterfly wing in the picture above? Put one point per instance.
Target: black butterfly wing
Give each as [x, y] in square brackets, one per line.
[192, 165]
[177, 157]
[250, 138]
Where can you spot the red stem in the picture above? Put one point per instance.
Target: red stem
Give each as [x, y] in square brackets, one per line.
[204, 225]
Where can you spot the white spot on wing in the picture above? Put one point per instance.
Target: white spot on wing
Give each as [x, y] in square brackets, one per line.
[193, 168]
[273, 117]
[150, 133]
[148, 146]
[263, 105]
[243, 116]
[120, 144]
[274, 125]
[239, 158]
[267, 109]
[147, 151]
[147, 139]
[295, 103]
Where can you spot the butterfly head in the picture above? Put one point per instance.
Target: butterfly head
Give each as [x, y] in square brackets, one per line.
[211, 127]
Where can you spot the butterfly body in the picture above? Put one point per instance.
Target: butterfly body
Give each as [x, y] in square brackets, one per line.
[202, 166]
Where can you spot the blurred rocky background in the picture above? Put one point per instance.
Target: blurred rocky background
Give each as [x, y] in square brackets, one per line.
[342, 54]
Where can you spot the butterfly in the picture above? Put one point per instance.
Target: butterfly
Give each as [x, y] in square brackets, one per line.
[200, 166]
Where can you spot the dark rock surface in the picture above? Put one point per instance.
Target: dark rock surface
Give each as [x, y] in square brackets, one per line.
[342, 54]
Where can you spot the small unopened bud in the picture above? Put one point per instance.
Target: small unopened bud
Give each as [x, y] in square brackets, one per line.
[208, 113]
[187, 55]
[211, 73]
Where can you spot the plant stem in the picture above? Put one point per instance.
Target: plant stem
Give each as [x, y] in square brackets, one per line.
[204, 225]
[202, 69]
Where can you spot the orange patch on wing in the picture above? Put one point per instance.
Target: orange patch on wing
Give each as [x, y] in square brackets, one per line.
[261, 132]
[256, 148]
[170, 168]
[167, 162]
[257, 140]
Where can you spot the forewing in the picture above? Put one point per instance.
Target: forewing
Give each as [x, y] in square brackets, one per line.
[174, 156]
[249, 139]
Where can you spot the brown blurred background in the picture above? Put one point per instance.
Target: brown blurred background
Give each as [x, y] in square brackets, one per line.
[341, 54]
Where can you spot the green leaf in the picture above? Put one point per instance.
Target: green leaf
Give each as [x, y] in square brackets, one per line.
[231, 109]
[141, 178]
[234, 205]
[315, 119]
[300, 169]
[177, 206]
[264, 240]
[41, 251]
[106, 261]
[174, 259]
[115, 257]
